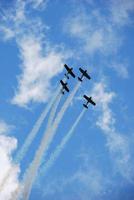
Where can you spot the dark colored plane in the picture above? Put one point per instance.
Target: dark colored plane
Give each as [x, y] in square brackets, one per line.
[89, 100]
[69, 71]
[84, 73]
[64, 87]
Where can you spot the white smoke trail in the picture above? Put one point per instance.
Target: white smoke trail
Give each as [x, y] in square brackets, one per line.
[14, 195]
[51, 118]
[21, 153]
[60, 147]
[53, 112]
[31, 172]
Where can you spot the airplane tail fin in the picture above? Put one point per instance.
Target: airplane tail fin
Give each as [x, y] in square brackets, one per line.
[62, 92]
[79, 79]
[85, 106]
[66, 76]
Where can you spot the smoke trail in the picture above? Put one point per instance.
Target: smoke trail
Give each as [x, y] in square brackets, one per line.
[53, 112]
[14, 195]
[21, 153]
[60, 147]
[31, 172]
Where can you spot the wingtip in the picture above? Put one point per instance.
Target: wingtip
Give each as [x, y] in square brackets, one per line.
[79, 79]
[85, 106]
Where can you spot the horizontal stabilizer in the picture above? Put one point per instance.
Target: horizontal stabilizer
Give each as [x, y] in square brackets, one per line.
[66, 76]
[85, 106]
[79, 79]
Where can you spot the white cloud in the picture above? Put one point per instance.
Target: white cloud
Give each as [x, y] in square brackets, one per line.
[91, 179]
[117, 143]
[95, 32]
[103, 99]
[39, 3]
[87, 182]
[7, 146]
[121, 69]
[41, 61]
[4, 128]
[8, 33]
[38, 69]
[121, 11]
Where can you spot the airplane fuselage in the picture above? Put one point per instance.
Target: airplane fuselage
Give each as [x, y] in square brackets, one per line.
[69, 71]
[84, 74]
[64, 87]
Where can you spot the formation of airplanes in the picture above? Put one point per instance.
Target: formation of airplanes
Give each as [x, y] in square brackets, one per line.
[85, 74]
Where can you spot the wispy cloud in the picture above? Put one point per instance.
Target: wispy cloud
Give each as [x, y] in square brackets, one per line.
[117, 143]
[106, 121]
[121, 69]
[121, 11]
[87, 182]
[98, 33]
[94, 31]
[7, 146]
[4, 128]
[37, 71]
[39, 3]
[41, 61]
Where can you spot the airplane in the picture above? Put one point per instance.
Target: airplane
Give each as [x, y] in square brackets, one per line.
[84, 73]
[64, 87]
[69, 71]
[89, 100]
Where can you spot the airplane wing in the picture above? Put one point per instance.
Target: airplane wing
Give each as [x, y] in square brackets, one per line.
[84, 72]
[86, 97]
[92, 102]
[66, 88]
[87, 76]
[62, 83]
[89, 100]
[66, 67]
[72, 74]
[81, 70]
[69, 70]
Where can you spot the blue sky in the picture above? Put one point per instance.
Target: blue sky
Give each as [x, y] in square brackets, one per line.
[37, 38]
